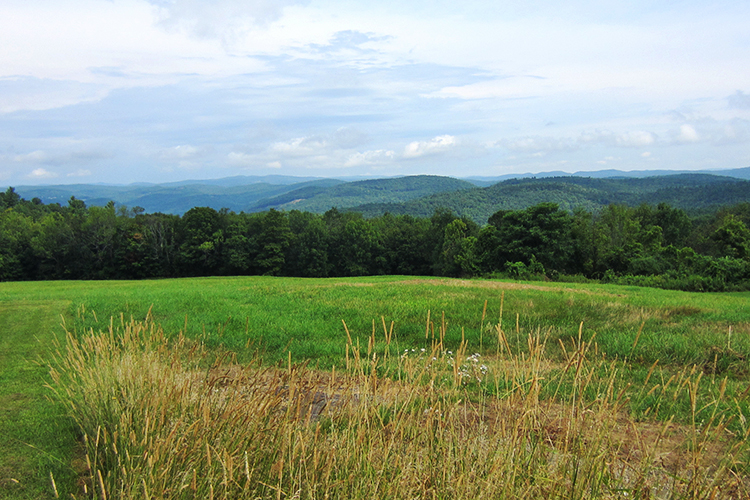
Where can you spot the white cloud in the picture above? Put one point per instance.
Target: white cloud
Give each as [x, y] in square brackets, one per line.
[374, 157]
[241, 159]
[40, 173]
[182, 152]
[537, 144]
[157, 84]
[736, 131]
[687, 134]
[541, 145]
[58, 54]
[301, 146]
[224, 19]
[61, 156]
[632, 139]
[438, 144]
[635, 139]
[20, 93]
[32, 157]
[498, 88]
[251, 161]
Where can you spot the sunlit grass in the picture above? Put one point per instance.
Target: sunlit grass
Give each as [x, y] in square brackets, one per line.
[654, 346]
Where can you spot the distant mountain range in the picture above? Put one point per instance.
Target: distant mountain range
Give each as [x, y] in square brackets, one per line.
[739, 173]
[692, 192]
[419, 195]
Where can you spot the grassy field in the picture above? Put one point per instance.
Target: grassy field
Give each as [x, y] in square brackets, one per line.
[657, 355]
[36, 438]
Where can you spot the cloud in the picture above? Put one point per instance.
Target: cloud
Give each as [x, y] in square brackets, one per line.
[537, 144]
[182, 152]
[687, 134]
[739, 100]
[161, 83]
[18, 93]
[510, 87]
[348, 41]
[250, 161]
[40, 173]
[374, 157]
[607, 160]
[79, 173]
[541, 145]
[736, 131]
[241, 159]
[438, 144]
[40, 157]
[32, 157]
[300, 146]
[633, 139]
[348, 137]
[222, 19]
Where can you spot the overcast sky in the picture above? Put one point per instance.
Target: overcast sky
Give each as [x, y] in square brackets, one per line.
[128, 91]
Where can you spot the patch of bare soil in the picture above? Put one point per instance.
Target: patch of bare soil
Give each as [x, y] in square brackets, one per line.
[653, 455]
[659, 453]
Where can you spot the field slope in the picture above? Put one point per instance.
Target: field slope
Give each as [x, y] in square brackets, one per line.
[659, 333]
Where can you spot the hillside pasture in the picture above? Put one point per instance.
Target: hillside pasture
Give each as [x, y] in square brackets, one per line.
[578, 377]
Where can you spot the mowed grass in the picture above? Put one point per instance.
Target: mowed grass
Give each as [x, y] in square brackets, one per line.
[655, 334]
[36, 437]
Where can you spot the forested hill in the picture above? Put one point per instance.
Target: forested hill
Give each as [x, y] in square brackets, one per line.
[242, 194]
[237, 193]
[417, 195]
[319, 199]
[691, 192]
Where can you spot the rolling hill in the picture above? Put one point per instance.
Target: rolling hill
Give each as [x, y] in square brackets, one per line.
[417, 195]
[173, 198]
[692, 192]
[395, 190]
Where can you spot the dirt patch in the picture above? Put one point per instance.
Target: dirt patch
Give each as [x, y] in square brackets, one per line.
[666, 449]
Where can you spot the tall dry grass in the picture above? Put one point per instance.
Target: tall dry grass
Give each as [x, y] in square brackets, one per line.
[166, 418]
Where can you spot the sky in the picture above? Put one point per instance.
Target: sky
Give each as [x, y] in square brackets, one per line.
[123, 91]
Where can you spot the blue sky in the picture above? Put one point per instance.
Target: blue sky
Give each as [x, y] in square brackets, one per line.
[123, 91]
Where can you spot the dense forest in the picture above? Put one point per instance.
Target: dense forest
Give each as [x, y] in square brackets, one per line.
[417, 195]
[645, 245]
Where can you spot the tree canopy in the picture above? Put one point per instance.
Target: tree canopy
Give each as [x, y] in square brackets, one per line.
[652, 245]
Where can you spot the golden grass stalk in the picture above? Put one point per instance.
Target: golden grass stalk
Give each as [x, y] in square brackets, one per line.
[161, 420]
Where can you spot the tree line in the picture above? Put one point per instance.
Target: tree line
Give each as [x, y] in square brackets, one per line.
[644, 245]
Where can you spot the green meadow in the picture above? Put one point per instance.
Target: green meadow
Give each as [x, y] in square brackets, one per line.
[655, 357]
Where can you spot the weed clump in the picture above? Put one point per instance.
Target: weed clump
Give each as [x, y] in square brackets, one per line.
[167, 418]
